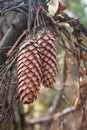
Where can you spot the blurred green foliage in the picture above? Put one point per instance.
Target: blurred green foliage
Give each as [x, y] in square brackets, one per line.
[78, 9]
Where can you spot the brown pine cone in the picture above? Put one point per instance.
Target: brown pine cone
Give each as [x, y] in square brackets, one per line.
[28, 71]
[47, 43]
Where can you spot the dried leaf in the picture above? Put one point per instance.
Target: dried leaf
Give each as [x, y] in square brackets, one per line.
[61, 8]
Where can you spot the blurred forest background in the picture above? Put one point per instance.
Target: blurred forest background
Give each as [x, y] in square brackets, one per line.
[54, 107]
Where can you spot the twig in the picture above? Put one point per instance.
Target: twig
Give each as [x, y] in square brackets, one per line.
[50, 117]
[66, 100]
[29, 14]
[55, 103]
[5, 47]
[12, 8]
[70, 21]
[6, 70]
[3, 1]
[58, 90]
[16, 43]
[9, 6]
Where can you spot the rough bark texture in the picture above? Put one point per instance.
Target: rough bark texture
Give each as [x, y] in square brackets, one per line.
[17, 27]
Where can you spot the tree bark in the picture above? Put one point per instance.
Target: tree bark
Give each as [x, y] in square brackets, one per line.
[17, 27]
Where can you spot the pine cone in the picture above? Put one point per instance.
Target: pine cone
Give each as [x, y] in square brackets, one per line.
[47, 43]
[28, 71]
